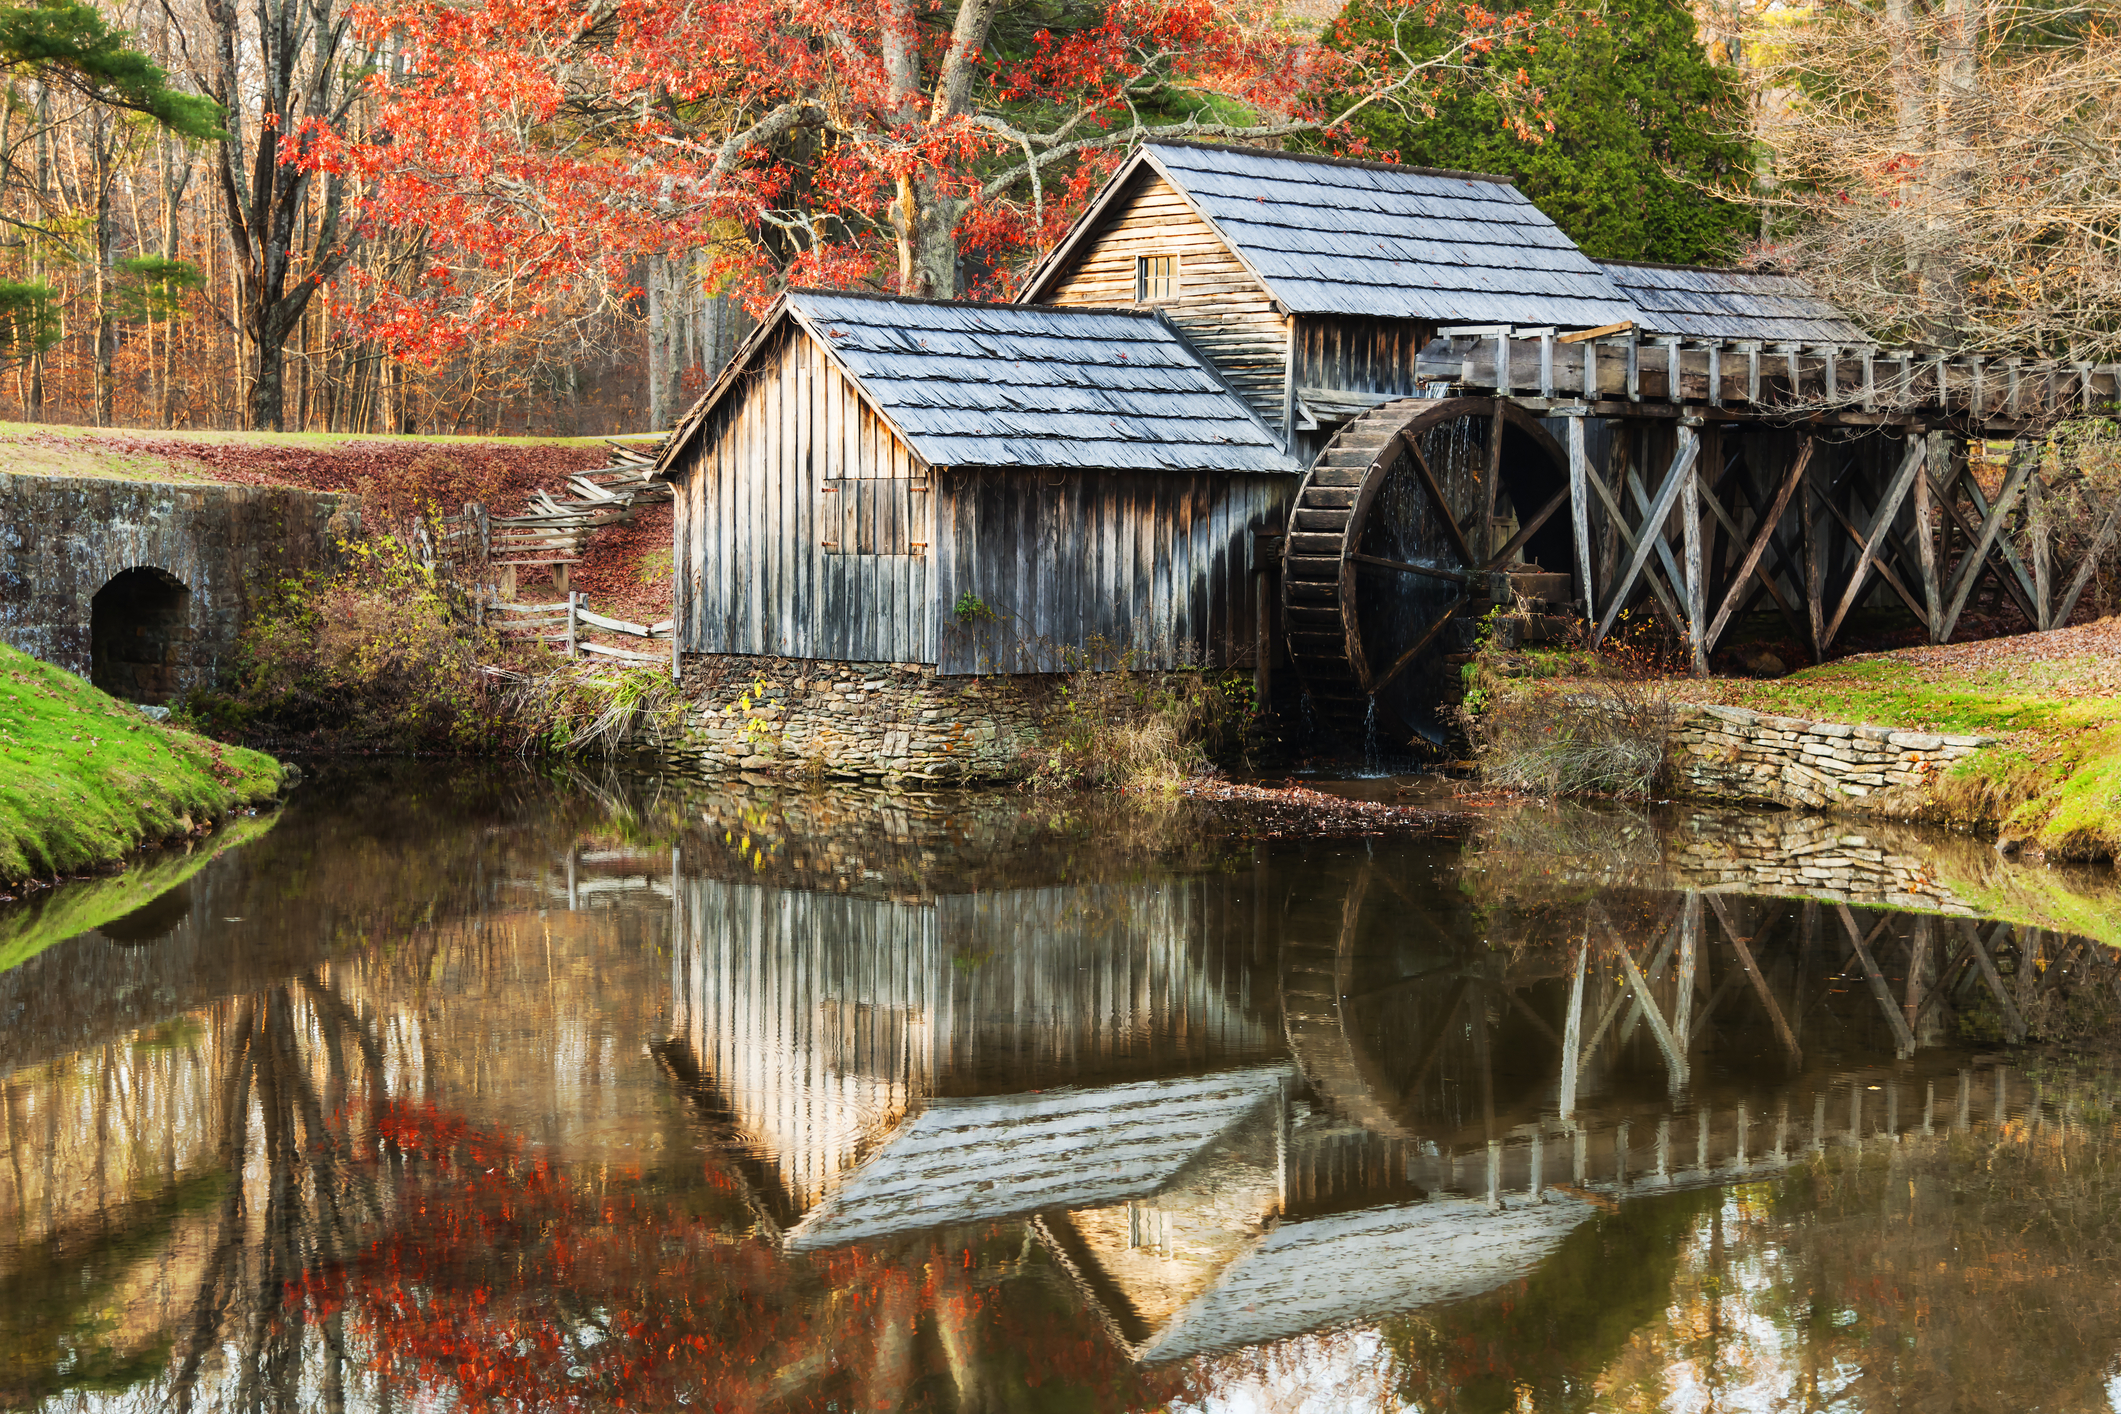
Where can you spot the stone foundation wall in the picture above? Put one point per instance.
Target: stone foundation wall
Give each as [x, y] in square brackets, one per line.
[855, 721]
[1732, 754]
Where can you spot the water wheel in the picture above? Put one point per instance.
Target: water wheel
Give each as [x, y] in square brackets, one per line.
[1392, 540]
[1401, 1020]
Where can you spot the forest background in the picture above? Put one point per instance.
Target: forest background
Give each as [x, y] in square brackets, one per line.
[557, 216]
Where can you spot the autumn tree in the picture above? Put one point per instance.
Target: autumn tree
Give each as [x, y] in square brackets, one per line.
[924, 147]
[1950, 170]
[287, 74]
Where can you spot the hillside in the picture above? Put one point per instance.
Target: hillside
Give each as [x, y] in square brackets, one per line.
[86, 779]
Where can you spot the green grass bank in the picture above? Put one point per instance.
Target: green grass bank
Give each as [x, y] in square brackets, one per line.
[2052, 783]
[85, 779]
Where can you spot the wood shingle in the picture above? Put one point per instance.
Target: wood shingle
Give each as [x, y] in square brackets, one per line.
[1698, 302]
[1332, 237]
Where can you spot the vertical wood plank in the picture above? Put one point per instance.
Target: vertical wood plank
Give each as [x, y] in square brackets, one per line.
[1690, 532]
[1807, 530]
[1926, 546]
[1580, 514]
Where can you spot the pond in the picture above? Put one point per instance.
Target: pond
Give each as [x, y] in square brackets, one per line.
[494, 1091]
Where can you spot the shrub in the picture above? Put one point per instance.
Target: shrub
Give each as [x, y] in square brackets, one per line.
[375, 655]
[1610, 737]
[1118, 726]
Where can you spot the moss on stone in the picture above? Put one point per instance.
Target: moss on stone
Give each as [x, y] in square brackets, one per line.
[86, 779]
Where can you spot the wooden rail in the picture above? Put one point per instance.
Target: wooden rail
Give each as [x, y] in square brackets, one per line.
[1631, 374]
[551, 532]
[565, 622]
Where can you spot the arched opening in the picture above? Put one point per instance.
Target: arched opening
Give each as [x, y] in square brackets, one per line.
[139, 625]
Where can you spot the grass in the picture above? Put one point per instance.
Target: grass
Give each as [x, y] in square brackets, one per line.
[2052, 701]
[117, 453]
[86, 779]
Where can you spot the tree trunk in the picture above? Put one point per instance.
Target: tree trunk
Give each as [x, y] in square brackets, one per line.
[106, 351]
[926, 223]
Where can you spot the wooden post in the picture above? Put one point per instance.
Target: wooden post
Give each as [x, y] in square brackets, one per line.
[508, 584]
[1572, 1035]
[570, 623]
[1926, 539]
[2036, 525]
[1690, 532]
[1491, 485]
[563, 578]
[1580, 510]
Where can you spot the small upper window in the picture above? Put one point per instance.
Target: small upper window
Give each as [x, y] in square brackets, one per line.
[1155, 277]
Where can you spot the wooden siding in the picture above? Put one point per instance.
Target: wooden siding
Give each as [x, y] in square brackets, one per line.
[1354, 354]
[754, 574]
[1221, 307]
[1157, 565]
[1359, 355]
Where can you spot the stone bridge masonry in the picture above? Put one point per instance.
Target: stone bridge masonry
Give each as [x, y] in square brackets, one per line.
[142, 586]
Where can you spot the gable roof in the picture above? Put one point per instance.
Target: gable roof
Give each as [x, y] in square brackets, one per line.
[1700, 302]
[1319, 1273]
[993, 1157]
[1009, 386]
[1332, 236]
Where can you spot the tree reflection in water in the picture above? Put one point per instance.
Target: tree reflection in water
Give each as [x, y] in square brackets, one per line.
[504, 1132]
[523, 1287]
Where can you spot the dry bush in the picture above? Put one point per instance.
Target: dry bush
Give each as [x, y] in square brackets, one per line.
[375, 656]
[1608, 738]
[579, 706]
[1119, 727]
[385, 656]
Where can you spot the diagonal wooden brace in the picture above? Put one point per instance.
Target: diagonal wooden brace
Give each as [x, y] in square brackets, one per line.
[1762, 534]
[1918, 450]
[1652, 528]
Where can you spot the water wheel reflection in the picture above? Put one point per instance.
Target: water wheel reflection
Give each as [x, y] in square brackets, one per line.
[1647, 1036]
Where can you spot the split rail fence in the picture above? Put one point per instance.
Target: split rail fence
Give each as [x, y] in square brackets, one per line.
[551, 532]
[568, 622]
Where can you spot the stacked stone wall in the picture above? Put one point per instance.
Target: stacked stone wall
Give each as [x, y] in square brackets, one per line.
[64, 538]
[856, 721]
[1732, 754]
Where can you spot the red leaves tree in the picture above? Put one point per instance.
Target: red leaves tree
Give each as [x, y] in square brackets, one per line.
[548, 146]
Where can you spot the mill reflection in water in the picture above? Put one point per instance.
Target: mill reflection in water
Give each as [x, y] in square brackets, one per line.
[529, 1099]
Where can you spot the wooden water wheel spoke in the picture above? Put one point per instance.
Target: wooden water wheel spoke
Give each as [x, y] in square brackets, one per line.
[1378, 563]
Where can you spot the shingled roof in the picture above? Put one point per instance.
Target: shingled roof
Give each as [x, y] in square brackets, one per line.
[987, 1158]
[1331, 1271]
[1329, 236]
[1703, 303]
[1013, 386]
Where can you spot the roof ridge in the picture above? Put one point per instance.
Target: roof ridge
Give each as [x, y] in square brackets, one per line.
[882, 297]
[1704, 269]
[1322, 159]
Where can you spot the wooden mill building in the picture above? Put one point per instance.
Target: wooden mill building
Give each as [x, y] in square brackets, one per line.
[1270, 410]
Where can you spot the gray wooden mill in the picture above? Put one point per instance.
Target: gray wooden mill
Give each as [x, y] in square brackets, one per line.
[1260, 409]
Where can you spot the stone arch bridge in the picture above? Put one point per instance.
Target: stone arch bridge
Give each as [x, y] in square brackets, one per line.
[142, 586]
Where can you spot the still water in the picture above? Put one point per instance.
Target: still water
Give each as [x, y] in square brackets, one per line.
[487, 1092]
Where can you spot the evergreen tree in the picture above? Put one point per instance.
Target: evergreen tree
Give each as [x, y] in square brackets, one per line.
[1642, 122]
[65, 42]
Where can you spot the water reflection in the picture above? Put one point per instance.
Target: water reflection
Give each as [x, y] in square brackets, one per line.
[494, 1093]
